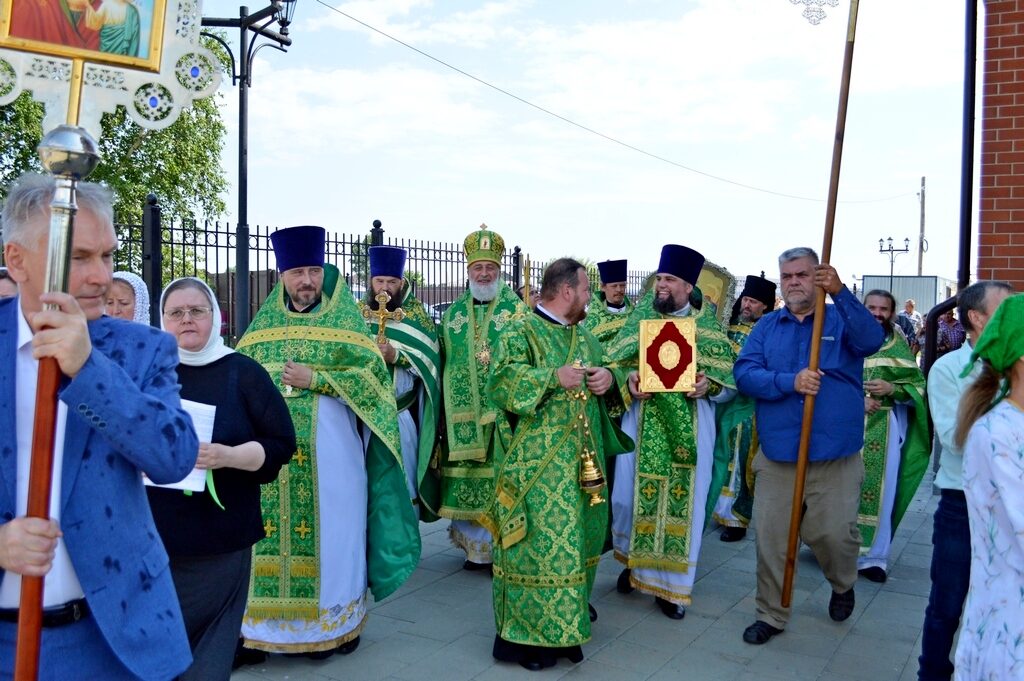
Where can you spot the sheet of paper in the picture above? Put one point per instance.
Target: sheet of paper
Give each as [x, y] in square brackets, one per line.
[202, 420]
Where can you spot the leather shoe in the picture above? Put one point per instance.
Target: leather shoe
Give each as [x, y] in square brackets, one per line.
[840, 606]
[622, 585]
[245, 656]
[670, 609]
[759, 633]
[475, 567]
[731, 534]
[531, 665]
[873, 574]
[593, 612]
[346, 648]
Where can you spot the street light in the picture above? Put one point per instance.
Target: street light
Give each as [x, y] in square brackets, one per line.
[893, 252]
[258, 24]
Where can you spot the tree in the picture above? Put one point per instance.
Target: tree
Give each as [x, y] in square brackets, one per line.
[180, 164]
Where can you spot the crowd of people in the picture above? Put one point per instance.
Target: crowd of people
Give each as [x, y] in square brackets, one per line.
[215, 505]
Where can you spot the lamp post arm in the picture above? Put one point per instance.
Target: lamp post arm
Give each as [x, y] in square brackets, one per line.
[227, 48]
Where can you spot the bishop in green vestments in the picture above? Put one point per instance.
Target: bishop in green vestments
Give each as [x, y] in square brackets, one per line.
[548, 528]
[658, 503]
[469, 332]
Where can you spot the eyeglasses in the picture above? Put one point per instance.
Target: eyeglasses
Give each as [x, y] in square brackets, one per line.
[194, 312]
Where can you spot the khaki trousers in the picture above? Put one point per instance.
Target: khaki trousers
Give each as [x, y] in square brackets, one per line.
[828, 526]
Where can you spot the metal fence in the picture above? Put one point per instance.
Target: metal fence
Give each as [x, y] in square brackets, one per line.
[161, 251]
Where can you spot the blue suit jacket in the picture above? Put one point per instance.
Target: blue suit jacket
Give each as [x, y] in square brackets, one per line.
[124, 416]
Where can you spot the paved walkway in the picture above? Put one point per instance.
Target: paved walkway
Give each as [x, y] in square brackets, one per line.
[439, 625]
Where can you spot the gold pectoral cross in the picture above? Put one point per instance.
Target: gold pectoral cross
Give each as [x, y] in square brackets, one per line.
[382, 315]
[483, 355]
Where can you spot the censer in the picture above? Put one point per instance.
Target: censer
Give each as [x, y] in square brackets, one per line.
[591, 479]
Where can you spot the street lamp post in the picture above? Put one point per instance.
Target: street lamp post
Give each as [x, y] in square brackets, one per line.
[258, 25]
[892, 252]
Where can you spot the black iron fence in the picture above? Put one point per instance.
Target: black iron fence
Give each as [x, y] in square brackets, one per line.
[161, 251]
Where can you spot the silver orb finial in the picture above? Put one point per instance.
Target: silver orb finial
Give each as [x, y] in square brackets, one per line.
[70, 151]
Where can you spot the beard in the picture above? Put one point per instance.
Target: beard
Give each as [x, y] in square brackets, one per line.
[666, 305]
[391, 305]
[485, 293]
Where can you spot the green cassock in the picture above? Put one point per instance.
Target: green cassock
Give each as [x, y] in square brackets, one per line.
[735, 446]
[469, 335]
[666, 447]
[893, 363]
[602, 322]
[415, 340]
[346, 363]
[548, 536]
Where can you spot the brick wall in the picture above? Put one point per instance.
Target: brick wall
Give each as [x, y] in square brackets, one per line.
[1001, 219]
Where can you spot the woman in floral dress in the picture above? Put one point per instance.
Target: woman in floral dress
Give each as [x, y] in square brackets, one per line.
[991, 422]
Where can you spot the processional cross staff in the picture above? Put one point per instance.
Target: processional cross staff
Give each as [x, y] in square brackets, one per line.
[815, 14]
[70, 154]
[382, 315]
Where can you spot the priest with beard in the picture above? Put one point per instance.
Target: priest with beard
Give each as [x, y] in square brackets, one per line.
[607, 315]
[658, 503]
[469, 332]
[548, 530]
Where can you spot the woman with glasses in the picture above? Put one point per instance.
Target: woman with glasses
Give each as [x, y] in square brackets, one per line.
[990, 428]
[209, 534]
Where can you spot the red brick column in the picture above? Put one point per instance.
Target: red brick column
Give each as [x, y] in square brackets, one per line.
[1001, 219]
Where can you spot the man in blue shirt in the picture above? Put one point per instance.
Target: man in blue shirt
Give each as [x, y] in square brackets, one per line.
[773, 369]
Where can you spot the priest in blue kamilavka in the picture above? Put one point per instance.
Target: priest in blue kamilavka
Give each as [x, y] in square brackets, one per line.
[413, 356]
[658, 503]
[338, 518]
[736, 441]
[469, 333]
[607, 314]
[550, 512]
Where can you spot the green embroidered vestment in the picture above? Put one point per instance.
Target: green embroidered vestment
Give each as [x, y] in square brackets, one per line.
[548, 536]
[602, 322]
[666, 447]
[346, 364]
[735, 441]
[469, 335]
[893, 363]
[415, 340]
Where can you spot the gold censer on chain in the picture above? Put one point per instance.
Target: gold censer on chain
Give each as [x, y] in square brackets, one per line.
[591, 479]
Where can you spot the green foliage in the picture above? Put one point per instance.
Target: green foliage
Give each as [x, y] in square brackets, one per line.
[180, 164]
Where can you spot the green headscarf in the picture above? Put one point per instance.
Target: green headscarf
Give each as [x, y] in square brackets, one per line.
[1002, 341]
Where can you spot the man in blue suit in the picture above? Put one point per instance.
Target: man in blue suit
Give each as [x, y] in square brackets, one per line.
[110, 609]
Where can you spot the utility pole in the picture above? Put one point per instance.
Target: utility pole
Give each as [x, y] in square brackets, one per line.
[922, 245]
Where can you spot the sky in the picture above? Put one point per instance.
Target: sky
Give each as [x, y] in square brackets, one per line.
[349, 126]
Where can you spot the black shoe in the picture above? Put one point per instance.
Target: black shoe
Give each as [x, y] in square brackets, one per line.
[245, 656]
[873, 574]
[840, 606]
[531, 665]
[535, 663]
[759, 633]
[593, 613]
[346, 648]
[622, 585]
[475, 567]
[731, 534]
[670, 609]
[319, 654]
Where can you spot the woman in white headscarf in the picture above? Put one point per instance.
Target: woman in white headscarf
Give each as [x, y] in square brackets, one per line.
[209, 535]
[128, 298]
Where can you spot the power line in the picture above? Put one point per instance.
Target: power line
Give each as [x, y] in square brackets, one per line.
[590, 130]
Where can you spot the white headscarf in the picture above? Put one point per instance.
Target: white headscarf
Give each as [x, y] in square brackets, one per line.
[141, 295]
[214, 348]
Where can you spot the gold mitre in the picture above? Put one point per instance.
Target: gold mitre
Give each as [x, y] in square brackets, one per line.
[484, 244]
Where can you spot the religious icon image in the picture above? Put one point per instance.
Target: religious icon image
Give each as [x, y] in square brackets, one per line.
[118, 32]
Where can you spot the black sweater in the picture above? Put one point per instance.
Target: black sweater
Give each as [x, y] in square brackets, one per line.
[249, 407]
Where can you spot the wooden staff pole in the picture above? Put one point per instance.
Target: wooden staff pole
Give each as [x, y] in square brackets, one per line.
[526, 282]
[819, 314]
[69, 153]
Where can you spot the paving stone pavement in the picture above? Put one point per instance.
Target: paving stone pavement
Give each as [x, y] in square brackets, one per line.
[439, 626]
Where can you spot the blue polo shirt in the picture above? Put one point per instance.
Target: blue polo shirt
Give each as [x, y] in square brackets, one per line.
[778, 347]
